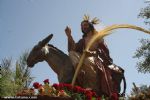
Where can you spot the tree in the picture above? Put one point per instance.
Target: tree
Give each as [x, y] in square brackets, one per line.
[145, 13]
[14, 78]
[6, 76]
[22, 72]
[140, 93]
[143, 52]
[143, 66]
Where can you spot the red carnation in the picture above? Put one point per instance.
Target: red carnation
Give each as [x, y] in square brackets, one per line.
[65, 85]
[61, 91]
[89, 96]
[114, 96]
[99, 98]
[56, 86]
[36, 85]
[77, 89]
[82, 90]
[40, 85]
[94, 94]
[68, 86]
[88, 92]
[46, 81]
[61, 85]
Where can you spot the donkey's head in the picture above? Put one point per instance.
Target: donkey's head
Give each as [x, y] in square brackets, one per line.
[39, 51]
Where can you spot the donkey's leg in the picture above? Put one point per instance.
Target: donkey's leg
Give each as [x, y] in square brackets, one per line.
[67, 73]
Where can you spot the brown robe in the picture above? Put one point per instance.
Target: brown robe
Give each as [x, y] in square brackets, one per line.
[101, 79]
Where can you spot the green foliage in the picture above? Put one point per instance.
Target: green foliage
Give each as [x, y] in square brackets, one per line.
[145, 13]
[143, 53]
[5, 80]
[140, 93]
[22, 72]
[14, 77]
[78, 96]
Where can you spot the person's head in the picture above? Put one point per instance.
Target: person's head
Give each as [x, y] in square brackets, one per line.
[88, 26]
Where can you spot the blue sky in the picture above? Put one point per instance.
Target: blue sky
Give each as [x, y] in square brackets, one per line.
[25, 22]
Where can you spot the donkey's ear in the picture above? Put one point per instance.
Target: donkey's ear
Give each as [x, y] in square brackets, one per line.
[45, 41]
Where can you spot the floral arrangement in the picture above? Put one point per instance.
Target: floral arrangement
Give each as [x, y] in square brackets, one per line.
[62, 90]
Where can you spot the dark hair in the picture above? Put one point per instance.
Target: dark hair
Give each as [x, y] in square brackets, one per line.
[91, 26]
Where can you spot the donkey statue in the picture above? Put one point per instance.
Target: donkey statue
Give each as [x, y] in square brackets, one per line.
[57, 60]
[61, 64]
